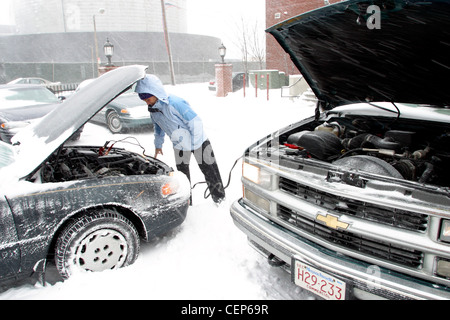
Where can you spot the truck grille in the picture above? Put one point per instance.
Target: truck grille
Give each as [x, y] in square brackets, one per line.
[384, 215]
[361, 244]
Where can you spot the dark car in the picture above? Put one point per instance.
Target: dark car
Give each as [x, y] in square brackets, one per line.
[22, 104]
[82, 207]
[355, 201]
[125, 112]
[237, 81]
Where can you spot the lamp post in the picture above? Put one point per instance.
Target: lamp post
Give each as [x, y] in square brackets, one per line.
[167, 39]
[100, 11]
[222, 52]
[108, 49]
[223, 74]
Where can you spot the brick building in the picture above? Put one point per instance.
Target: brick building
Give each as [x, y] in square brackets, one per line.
[276, 12]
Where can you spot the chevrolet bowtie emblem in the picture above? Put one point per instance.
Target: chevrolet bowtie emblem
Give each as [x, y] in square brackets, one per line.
[332, 221]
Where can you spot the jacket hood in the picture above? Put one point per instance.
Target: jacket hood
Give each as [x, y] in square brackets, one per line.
[152, 85]
[377, 50]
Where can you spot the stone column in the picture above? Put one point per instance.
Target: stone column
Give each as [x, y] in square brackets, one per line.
[104, 69]
[224, 82]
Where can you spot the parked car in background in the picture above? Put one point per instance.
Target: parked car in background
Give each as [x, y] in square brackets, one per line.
[355, 201]
[125, 112]
[39, 81]
[22, 104]
[82, 207]
[237, 81]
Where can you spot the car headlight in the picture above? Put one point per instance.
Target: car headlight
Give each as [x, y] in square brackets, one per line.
[14, 126]
[257, 175]
[169, 188]
[445, 231]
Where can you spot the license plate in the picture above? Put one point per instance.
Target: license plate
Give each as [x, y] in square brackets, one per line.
[318, 282]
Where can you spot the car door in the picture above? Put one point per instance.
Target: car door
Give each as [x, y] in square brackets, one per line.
[100, 116]
[9, 245]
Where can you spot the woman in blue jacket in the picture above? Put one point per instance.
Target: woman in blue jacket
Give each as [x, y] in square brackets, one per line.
[174, 116]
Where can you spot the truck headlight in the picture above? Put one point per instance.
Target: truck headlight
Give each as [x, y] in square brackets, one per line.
[445, 231]
[257, 175]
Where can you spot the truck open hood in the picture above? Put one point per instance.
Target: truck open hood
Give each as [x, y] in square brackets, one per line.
[38, 141]
[344, 59]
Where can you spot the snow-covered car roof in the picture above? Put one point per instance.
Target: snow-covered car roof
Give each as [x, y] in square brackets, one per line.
[346, 58]
[38, 141]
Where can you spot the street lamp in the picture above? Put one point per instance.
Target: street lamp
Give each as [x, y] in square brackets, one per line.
[222, 52]
[108, 49]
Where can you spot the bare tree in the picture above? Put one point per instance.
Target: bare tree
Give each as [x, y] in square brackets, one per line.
[257, 45]
[251, 43]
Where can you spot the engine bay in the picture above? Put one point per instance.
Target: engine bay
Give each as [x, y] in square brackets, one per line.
[76, 163]
[405, 149]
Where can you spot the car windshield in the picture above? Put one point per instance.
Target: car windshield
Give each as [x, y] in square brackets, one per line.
[6, 155]
[17, 97]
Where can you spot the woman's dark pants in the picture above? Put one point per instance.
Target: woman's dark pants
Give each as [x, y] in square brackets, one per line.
[208, 165]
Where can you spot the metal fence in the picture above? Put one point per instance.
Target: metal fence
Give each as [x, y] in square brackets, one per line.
[61, 90]
[74, 73]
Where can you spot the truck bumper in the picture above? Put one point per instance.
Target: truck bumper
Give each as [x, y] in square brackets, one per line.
[272, 240]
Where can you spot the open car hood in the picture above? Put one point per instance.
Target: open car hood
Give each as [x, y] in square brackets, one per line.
[38, 141]
[344, 61]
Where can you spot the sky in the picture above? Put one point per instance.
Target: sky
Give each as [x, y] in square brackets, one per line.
[215, 14]
[223, 19]
[215, 18]
[4, 12]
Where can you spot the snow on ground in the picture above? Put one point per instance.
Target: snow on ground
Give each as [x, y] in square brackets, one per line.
[207, 257]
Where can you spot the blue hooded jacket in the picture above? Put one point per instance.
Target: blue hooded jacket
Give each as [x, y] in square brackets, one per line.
[176, 117]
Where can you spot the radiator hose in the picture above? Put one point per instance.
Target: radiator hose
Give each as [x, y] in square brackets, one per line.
[367, 140]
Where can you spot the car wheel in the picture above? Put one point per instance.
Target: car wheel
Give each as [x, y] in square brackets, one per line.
[113, 122]
[100, 241]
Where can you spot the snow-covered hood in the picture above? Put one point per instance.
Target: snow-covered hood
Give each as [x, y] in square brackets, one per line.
[395, 51]
[38, 141]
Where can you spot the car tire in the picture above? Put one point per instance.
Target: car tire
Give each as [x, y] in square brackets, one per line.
[96, 242]
[113, 122]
